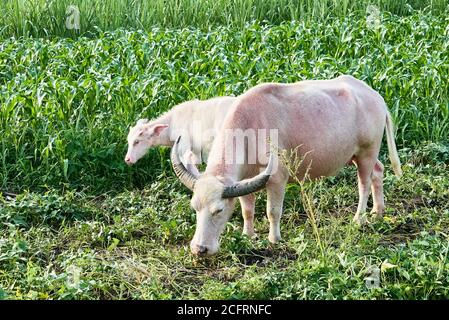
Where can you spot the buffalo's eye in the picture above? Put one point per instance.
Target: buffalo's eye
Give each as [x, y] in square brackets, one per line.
[217, 212]
[136, 143]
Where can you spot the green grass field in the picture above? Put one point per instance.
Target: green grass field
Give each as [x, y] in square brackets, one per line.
[86, 226]
[47, 17]
[134, 244]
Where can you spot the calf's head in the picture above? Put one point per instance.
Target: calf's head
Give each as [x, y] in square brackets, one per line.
[213, 200]
[141, 137]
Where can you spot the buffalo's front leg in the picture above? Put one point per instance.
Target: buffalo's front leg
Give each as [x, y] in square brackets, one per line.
[248, 203]
[275, 199]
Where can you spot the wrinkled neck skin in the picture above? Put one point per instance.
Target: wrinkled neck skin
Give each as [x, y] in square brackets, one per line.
[164, 137]
[227, 173]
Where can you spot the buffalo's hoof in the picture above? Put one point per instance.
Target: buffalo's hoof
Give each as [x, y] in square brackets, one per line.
[274, 238]
[360, 219]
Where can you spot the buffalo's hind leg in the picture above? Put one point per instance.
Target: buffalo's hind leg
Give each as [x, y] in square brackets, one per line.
[365, 166]
[377, 188]
[275, 198]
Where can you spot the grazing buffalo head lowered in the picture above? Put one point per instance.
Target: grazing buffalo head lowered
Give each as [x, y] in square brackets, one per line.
[142, 137]
[213, 200]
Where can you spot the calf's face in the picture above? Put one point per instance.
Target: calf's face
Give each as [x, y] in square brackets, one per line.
[141, 138]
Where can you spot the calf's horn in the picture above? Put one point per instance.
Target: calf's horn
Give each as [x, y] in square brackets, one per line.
[251, 185]
[186, 177]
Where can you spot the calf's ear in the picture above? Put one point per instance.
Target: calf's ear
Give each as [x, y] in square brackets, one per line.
[159, 128]
[151, 130]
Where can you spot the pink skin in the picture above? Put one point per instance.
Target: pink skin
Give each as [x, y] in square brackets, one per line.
[331, 122]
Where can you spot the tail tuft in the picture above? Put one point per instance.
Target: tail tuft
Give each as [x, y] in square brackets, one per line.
[392, 151]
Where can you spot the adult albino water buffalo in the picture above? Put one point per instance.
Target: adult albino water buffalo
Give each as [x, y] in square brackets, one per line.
[329, 123]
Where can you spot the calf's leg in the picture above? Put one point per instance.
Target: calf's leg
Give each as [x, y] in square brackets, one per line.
[189, 160]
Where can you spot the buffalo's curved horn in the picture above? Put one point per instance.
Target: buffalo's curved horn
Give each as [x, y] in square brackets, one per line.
[251, 185]
[186, 177]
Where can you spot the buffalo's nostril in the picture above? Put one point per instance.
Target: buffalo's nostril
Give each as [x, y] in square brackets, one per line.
[202, 250]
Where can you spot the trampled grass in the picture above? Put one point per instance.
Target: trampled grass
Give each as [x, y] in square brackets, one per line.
[87, 226]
